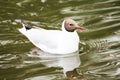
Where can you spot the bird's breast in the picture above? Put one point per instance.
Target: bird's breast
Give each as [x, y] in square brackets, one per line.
[68, 43]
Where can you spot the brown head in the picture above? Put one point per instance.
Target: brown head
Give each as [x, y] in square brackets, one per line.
[70, 25]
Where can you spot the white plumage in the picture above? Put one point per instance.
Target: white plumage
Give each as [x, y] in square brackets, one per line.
[52, 41]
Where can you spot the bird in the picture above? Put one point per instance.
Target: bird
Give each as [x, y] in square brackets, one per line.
[64, 41]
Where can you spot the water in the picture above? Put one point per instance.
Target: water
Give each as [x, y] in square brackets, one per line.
[99, 54]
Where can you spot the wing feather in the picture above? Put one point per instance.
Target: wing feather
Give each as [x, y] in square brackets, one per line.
[46, 38]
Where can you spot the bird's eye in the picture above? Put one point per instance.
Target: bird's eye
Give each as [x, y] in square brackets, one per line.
[71, 24]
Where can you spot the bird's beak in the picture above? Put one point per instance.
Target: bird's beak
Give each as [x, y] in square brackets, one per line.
[79, 28]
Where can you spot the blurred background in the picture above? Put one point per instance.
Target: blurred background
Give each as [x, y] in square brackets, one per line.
[99, 53]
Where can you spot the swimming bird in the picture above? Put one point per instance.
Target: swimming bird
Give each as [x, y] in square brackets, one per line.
[54, 41]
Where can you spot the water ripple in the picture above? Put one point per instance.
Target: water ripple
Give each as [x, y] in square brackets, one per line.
[100, 41]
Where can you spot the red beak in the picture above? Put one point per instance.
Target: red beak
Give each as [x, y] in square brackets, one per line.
[80, 28]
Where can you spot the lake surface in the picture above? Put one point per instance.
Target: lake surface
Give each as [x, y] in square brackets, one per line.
[98, 57]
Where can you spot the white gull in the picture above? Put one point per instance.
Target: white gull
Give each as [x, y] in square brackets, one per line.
[54, 41]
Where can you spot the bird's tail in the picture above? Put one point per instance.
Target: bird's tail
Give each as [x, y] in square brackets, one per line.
[25, 25]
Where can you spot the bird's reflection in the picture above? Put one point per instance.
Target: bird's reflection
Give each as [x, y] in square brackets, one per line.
[69, 62]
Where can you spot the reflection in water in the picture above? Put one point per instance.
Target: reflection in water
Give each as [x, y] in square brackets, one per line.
[69, 62]
[101, 52]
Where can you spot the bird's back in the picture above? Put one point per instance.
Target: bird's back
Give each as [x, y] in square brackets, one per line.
[52, 41]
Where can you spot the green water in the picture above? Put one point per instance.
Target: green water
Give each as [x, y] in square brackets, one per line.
[99, 53]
